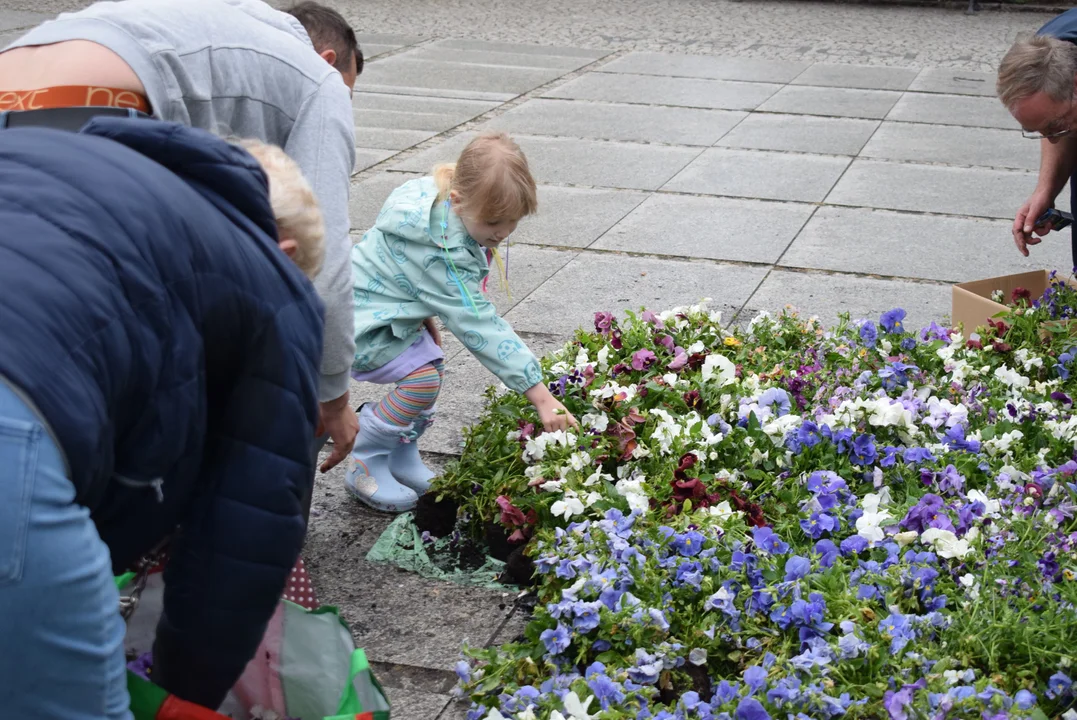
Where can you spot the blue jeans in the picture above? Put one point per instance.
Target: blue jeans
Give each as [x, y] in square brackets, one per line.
[61, 634]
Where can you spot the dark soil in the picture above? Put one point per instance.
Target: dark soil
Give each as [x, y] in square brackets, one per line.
[436, 518]
[519, 569]
[465, 554]
[701, 682]
[497, 540]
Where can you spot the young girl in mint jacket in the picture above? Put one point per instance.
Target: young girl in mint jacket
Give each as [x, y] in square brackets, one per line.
[429, 255]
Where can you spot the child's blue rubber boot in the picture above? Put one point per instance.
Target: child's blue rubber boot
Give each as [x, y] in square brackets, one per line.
[368, 478]
[404, 461]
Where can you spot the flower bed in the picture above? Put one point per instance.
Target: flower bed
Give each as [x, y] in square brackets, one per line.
[788, 522]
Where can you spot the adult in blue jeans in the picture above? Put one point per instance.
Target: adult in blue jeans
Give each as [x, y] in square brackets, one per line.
[159, 364]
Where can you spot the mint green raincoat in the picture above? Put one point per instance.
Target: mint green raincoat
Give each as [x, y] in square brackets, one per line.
[402, 274]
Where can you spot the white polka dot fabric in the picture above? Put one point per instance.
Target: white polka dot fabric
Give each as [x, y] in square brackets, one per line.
[299, 588]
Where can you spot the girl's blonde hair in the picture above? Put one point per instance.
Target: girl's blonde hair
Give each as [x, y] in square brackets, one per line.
[491, 178]
[294, 206]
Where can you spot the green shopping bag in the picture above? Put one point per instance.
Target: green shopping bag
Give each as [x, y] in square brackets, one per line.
[306, 667]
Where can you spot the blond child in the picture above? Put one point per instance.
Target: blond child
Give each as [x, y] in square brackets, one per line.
[428, 255]
[300, 228]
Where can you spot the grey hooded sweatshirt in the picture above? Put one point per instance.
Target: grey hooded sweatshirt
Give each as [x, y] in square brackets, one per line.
[241, 68]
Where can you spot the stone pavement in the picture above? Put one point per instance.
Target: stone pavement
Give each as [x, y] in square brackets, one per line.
[835, 157]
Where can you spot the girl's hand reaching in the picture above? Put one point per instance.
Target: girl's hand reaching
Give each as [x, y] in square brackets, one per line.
[551, 412]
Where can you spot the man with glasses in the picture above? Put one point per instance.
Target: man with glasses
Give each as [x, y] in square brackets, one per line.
[1036, 82]
[233, 67]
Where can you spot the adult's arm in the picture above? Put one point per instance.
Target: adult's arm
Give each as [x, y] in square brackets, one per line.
[322, 142]
[1057, 163]
[240, 539]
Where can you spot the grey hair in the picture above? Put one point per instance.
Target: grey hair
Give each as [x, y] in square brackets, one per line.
[1034, 64]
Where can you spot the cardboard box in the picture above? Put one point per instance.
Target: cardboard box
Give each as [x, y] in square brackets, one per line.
[972, 303]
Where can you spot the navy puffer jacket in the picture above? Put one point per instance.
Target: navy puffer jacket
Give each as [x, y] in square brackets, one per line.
[173, 350]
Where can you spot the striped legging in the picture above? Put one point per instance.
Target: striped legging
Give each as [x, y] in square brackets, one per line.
[412, 395]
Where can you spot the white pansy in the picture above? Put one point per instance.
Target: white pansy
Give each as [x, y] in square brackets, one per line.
[631, 489]
[603, 357]
[579, 460]
[591, 498]
[577, 709]
[1001, 444]
[667, 430]
[596, 421]
[696, 347]
[723, 511]
[906, 538]
[495, 714]
[568, 506]
[993, 508]
[778, 427]
[720, 369]
[946, 543]
[1011, 377]
[582, 360]
[597, 477]
[561, 368]
[552, 485]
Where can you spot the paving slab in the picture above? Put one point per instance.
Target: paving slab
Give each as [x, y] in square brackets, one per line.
[955, 82]
[826, 295]
[933, 247]
[760, 174]
[575, 217]
[832, 102]
[952, 110]
[800, 133]
[605, 121]
[513, 628]
[388, 139]
[521, 48]
[615, 282]
[396, 119]
[700, 66]
[953, 145]
[366, 198]
[715, 228]
[388, 39]
[440, 53]
[934, 188]
[15, 19]
[372, 50]
[456, 710]
[8, 38]
[654, 90]
[415, 704]
[454, 110]
[434, 77]
[865, 77]
[577, 162]
[369, 157]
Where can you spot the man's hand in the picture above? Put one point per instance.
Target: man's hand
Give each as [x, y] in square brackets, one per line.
[432, 328]
[1024, 230]
[340, 421]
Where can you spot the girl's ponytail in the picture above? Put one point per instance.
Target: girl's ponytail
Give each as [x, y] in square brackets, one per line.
[443, 175]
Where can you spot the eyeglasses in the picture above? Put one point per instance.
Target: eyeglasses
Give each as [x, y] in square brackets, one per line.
[1034, 135]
